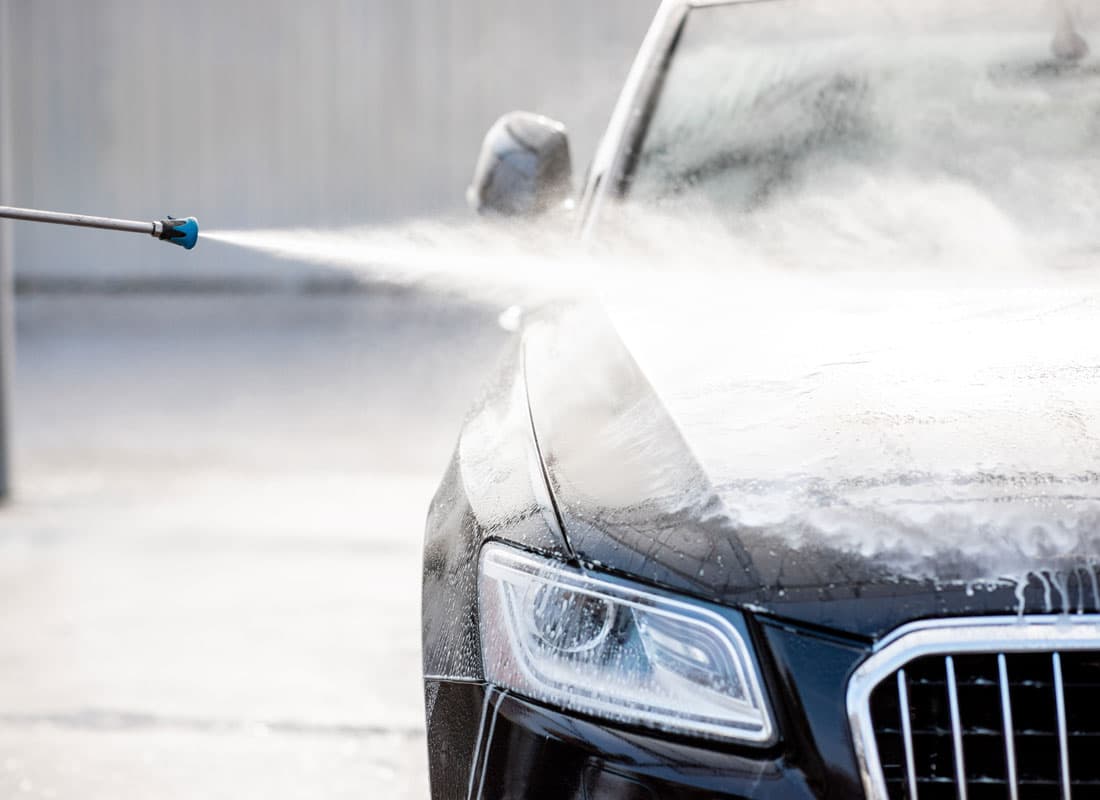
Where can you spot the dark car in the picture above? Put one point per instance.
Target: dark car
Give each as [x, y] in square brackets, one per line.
[800, 537]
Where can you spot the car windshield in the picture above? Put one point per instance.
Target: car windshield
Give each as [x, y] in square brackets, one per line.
[818, 104]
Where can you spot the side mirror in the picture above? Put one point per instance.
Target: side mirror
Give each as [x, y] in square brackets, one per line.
[525, 169]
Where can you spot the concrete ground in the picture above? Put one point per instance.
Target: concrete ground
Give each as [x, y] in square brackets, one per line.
[209, 578]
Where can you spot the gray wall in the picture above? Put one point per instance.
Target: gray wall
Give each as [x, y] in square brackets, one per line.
[256, 113]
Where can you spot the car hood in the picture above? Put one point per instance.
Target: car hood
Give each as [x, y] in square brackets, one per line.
[850, 454]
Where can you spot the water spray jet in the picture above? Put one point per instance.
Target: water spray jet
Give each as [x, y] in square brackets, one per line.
[182, 232]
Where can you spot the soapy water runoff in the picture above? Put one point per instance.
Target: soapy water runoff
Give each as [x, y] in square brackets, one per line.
[872, 314]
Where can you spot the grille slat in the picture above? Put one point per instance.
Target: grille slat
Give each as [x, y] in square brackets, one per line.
[991, 719]
[907, 734]
[1063, 737]
[1009, 737]
[956, 727]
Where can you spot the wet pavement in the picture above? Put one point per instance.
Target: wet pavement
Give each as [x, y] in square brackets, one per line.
[210, 574]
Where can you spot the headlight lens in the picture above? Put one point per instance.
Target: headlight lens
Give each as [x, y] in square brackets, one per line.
[614, 650]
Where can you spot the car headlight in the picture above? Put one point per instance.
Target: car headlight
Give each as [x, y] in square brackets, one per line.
[614, 650]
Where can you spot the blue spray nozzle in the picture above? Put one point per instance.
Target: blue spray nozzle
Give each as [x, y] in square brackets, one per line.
[184, 232]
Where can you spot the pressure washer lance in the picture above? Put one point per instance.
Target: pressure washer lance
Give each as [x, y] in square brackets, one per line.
[184, 232]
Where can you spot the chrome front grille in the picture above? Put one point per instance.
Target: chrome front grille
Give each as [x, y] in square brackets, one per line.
[981, 708]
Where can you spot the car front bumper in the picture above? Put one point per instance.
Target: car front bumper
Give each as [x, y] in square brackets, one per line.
[488, 744]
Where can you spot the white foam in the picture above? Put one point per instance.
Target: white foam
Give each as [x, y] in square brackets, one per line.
[893, 356]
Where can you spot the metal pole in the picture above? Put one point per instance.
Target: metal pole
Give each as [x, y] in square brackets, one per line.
[80, 220]
[182, 232]
[7, 278]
